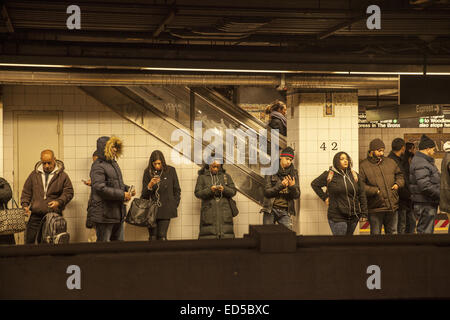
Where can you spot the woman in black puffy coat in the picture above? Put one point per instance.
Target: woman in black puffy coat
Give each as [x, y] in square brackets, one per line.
[108, 192]
[344, 196]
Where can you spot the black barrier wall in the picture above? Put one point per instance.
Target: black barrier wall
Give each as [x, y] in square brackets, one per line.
[269, 263]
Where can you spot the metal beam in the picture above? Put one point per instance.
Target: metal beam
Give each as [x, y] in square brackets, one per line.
[7, 19]
[339, 27]
[165, 22]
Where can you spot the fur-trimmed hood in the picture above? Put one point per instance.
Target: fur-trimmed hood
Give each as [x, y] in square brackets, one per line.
[105, 145]
[59, 166]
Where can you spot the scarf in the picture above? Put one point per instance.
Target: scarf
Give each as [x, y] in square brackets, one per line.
[276, 114]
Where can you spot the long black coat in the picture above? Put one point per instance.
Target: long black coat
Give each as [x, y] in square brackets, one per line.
[216, 218]
[276, 123]
[444, 203]
[169, 192]
[425, 179]
[106, 204]
[347, 197]
[403, 192]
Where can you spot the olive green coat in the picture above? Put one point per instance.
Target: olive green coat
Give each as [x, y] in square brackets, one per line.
[216, 219]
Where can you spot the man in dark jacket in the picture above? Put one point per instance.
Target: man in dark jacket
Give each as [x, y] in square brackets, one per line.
[280, 191]
[108, 192]
[444, 203]
[382, 178]
[396, 154]
[47, 189]
[425, 181]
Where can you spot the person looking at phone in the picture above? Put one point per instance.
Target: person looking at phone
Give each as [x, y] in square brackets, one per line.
[280, 191]
[109, 193]
[215, 187]
[160, 183]
[47, 189]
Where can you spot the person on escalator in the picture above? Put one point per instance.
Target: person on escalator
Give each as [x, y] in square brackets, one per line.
[382, 178]
[277, 111]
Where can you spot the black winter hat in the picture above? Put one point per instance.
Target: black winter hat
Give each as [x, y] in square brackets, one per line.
[376, 144]
[287, 152]
[426, 142]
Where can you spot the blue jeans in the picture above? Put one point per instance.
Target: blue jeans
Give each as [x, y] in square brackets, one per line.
[388, 219]
[109, 232]
[343, 228]
[410, 220]
[279, 216]
[426, 214]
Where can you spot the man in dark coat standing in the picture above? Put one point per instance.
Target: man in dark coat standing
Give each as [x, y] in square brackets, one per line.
[444, 203]
[108, 192]
[280, 191]
[396, 154]
[425, 183]
[382, 178]
[47, 189]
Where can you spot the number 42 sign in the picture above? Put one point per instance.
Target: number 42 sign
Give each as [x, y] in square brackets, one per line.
[334, 146]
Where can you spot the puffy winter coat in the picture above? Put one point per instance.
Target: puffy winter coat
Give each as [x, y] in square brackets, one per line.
[106, 204]
[425, 179]
[347, 198]
[59, 189]
[381, 175]
[273, 187]
[216, 218]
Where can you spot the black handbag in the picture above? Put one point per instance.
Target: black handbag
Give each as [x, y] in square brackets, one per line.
[142, 213]
[233, 206]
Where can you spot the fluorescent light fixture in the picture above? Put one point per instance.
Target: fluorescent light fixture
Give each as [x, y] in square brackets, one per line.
[391, 73]
[218, 70]
[34, 65]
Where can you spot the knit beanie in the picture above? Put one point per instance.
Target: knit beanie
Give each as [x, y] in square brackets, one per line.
[287, 152]
[376, 144]
[426, 143]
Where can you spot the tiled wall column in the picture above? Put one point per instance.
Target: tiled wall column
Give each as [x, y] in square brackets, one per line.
[316, 139]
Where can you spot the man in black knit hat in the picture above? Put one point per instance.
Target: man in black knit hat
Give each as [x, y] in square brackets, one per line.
[280, 191]
[425, 181]
[382, 178]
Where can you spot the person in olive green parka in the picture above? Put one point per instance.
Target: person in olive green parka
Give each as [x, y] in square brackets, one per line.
[215, 187]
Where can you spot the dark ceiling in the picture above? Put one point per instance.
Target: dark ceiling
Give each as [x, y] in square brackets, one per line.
[313, 35]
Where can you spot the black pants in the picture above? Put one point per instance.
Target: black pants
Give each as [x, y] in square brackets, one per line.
[160, 231]
[33, 226]
[7, 239]
[388, 219]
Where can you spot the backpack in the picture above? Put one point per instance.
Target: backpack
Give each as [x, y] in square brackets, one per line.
[53, 229]
[5, 191]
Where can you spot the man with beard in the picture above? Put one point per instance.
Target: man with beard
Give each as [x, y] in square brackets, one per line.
[382, 178]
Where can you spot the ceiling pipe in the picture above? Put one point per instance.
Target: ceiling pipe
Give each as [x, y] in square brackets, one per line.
[130, 79]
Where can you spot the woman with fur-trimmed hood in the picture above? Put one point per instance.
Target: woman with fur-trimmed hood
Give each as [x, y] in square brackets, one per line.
[109, 193]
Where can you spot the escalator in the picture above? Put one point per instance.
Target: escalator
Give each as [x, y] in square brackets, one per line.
[162, 110]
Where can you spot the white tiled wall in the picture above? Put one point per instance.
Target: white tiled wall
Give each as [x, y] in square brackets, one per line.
[308, 129]
[85, 120]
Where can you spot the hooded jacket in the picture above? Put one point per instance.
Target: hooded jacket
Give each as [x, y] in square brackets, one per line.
[216, 218]
[274, 188]
[106, 203]
[347, 198]
[444, 203]
[37, 195]
[380, 175]
[425, 179]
